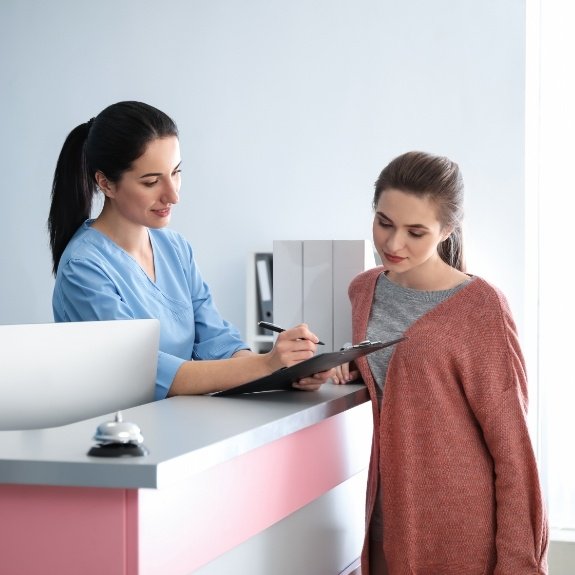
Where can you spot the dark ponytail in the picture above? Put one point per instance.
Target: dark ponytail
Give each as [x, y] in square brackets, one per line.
[109, 143]
[72, 192]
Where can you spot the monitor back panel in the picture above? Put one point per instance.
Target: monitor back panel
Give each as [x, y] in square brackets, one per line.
[58, 373]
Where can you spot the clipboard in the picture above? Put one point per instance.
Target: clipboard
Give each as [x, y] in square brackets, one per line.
[283, 378]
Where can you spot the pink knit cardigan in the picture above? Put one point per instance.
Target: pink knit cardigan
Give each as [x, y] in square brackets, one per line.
[451, 448]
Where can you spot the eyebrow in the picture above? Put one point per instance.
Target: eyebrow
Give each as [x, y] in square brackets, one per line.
[158, 174]
[418, 226]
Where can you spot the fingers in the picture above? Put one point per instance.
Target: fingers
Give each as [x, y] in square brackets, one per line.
[314, 382]
[341, 374]
[344, 373]
[292, 346]
[301, 332]
[307, 384]
[294, 350]
[323, 376]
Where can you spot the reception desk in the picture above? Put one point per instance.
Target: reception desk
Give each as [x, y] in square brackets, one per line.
[272, 483]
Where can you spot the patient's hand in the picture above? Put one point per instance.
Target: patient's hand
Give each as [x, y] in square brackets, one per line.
[345, 373]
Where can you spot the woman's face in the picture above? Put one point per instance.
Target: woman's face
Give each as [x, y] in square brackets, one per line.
[145, 194]
[406, 232]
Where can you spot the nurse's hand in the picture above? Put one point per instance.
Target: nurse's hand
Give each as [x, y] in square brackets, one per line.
[292, 346]
[295, 345]
[314, 382]
[345, 373]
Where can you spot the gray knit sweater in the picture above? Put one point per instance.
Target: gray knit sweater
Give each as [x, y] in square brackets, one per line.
[393, 311]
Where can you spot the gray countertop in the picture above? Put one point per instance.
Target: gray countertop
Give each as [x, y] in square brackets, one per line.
[184, 436]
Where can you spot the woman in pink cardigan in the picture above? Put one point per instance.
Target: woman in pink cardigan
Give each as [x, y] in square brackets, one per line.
[453, 484]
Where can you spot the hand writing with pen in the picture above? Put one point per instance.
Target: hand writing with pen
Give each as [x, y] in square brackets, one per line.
[293, 346]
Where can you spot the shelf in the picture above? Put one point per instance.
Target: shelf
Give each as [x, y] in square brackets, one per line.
[258, 342]
[263, 338]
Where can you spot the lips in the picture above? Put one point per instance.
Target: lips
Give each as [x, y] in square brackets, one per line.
[393, 259]
[162, 213]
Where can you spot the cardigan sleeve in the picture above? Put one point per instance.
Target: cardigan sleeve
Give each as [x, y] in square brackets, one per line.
[522, 533]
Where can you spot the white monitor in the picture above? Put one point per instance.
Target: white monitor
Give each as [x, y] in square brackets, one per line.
[58, 373]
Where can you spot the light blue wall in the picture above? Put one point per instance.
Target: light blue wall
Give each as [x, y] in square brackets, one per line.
[287, 110]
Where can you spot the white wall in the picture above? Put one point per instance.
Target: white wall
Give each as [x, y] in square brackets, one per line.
[287, 112]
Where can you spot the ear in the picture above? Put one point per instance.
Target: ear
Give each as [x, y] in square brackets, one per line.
[446, 232]
[108, 188]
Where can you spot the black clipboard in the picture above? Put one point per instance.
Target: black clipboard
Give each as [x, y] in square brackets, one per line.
[283, 378]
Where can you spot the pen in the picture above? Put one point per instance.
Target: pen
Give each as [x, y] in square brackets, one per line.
[277, 328]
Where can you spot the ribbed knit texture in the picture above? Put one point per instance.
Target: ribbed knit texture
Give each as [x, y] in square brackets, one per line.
[393, 310]
[461, 493]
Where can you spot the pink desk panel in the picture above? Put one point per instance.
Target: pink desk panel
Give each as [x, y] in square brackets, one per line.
[177, 529]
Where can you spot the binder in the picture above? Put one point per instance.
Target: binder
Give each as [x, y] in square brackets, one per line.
[318, 289]
[264, 286]
[350, 257]
[282, 379]
[288, 282]
[311, 280]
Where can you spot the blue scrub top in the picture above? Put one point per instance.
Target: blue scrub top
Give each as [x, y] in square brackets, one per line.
[98, 280]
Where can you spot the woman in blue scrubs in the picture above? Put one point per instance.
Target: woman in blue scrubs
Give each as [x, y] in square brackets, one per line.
[126, 264]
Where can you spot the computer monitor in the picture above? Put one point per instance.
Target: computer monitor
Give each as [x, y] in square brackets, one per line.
[53, 374]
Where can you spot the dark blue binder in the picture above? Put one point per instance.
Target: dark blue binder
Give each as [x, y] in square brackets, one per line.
[264, 286]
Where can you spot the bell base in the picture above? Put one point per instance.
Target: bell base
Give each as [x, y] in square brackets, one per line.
[118, 450]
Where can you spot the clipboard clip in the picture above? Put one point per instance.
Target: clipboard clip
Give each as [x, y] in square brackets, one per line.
[364, 343]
